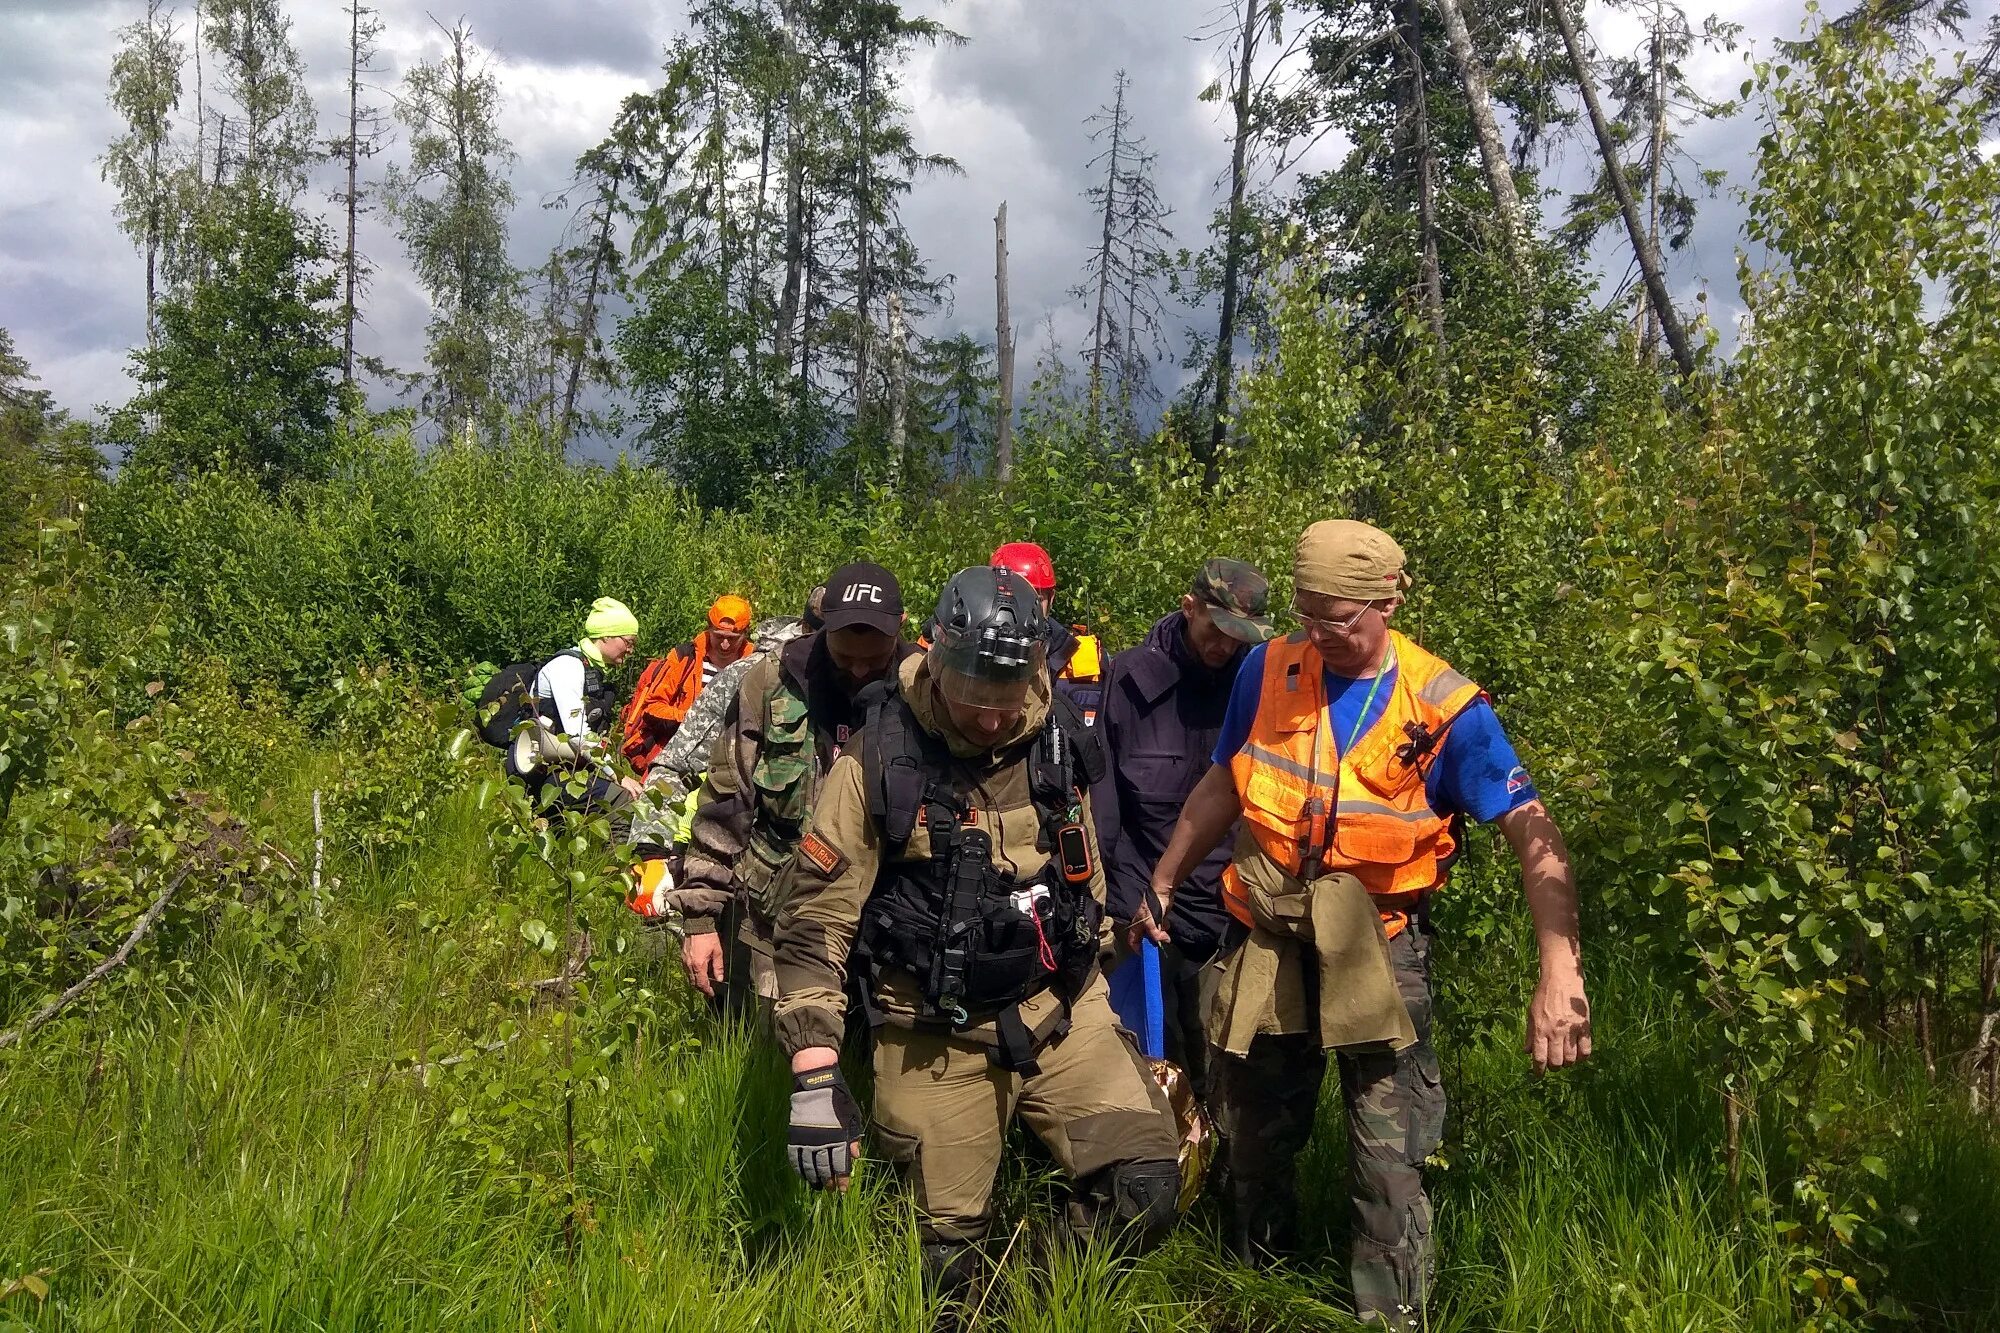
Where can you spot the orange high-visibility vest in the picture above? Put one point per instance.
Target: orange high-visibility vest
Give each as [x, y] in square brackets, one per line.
[1315, 812]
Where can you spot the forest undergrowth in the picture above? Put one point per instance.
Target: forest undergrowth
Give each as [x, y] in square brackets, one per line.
[308, 1021]
[262, 1147]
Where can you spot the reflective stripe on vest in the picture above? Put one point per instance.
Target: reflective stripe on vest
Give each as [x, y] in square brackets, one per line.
[1367, 813]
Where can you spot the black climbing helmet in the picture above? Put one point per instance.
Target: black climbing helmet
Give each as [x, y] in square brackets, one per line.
[987, 642]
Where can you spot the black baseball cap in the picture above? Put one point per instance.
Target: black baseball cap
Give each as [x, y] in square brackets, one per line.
[863, 594]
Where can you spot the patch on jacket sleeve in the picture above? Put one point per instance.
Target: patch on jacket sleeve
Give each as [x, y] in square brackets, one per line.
[822, 855]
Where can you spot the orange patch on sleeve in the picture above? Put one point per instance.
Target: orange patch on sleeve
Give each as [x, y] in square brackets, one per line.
[823, 855]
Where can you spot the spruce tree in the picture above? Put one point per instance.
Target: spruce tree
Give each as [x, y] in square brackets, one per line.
[956, 401]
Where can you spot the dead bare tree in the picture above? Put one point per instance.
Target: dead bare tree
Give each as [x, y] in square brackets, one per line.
[1003, 408]
[363, 139]
[1643, 246]
[119, 957]
[1232, 249]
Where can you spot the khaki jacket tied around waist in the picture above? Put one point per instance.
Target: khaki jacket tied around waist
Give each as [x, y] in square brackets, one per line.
[1331, 926]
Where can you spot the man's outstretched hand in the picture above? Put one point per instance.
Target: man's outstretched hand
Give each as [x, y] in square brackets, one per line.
[1559, 1015]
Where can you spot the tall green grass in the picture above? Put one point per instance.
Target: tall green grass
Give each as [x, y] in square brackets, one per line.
[253, 1150]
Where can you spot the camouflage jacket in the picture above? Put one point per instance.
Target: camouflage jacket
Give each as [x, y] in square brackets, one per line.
[677, 770]
[783, 729]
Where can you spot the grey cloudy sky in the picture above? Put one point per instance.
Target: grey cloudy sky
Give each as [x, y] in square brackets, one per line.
[1009, 105]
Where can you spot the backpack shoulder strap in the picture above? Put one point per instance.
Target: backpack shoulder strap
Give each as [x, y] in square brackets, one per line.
[894, 760]
[1082, 749]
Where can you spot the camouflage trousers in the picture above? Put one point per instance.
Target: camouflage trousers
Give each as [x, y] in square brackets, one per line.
[1266, 1103]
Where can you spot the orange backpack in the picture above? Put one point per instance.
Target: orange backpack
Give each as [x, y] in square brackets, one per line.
[645, 722]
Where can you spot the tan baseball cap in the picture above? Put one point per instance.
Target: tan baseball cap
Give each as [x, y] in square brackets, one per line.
[1340, 557]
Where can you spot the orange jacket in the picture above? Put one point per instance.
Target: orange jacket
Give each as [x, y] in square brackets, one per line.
[666, 690]
[1365, 813]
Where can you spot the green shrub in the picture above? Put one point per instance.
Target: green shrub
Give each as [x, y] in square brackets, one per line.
[108, 840]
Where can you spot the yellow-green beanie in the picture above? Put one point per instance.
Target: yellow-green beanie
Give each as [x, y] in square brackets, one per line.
[609, 618]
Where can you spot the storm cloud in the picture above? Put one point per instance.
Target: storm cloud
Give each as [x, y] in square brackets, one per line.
[1008, 104]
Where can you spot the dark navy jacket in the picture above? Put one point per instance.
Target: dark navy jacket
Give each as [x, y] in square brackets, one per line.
[1161, 717]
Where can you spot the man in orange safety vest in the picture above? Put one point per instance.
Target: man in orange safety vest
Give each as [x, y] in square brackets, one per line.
[1353, 758]
[669, 685]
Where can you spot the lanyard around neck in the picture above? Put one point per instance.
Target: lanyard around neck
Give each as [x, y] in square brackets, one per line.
[1361, 722]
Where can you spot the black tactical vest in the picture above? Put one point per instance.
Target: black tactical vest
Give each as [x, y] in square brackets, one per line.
[977, 941]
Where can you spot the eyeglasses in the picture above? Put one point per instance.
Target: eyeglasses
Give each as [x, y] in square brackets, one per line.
[1321, 625]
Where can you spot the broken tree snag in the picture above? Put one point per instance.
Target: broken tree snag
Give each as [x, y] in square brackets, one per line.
[1003, 356]
[1643, 247]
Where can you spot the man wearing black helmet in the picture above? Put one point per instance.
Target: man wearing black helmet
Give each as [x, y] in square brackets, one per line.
[951, 865]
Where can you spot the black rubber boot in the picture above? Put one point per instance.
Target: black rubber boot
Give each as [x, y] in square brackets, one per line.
[954, 1269]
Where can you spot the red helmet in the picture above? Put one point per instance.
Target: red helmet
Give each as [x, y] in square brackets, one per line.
[1028, 560]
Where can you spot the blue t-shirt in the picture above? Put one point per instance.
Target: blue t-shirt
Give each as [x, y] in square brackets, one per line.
[1475, 773]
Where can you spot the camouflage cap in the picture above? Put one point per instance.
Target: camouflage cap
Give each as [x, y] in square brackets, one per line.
[1238, 598]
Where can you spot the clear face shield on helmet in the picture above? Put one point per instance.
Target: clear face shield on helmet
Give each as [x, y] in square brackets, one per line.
[989, 646]
[995, 670]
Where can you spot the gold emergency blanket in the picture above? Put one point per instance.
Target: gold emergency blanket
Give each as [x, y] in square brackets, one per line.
[1197, 1137]
[1330, 925]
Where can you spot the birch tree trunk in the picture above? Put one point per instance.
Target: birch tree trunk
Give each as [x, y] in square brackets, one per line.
[899, 384]
[1486, 129]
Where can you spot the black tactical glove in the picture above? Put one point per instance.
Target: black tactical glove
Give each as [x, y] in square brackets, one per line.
[826, 1122]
